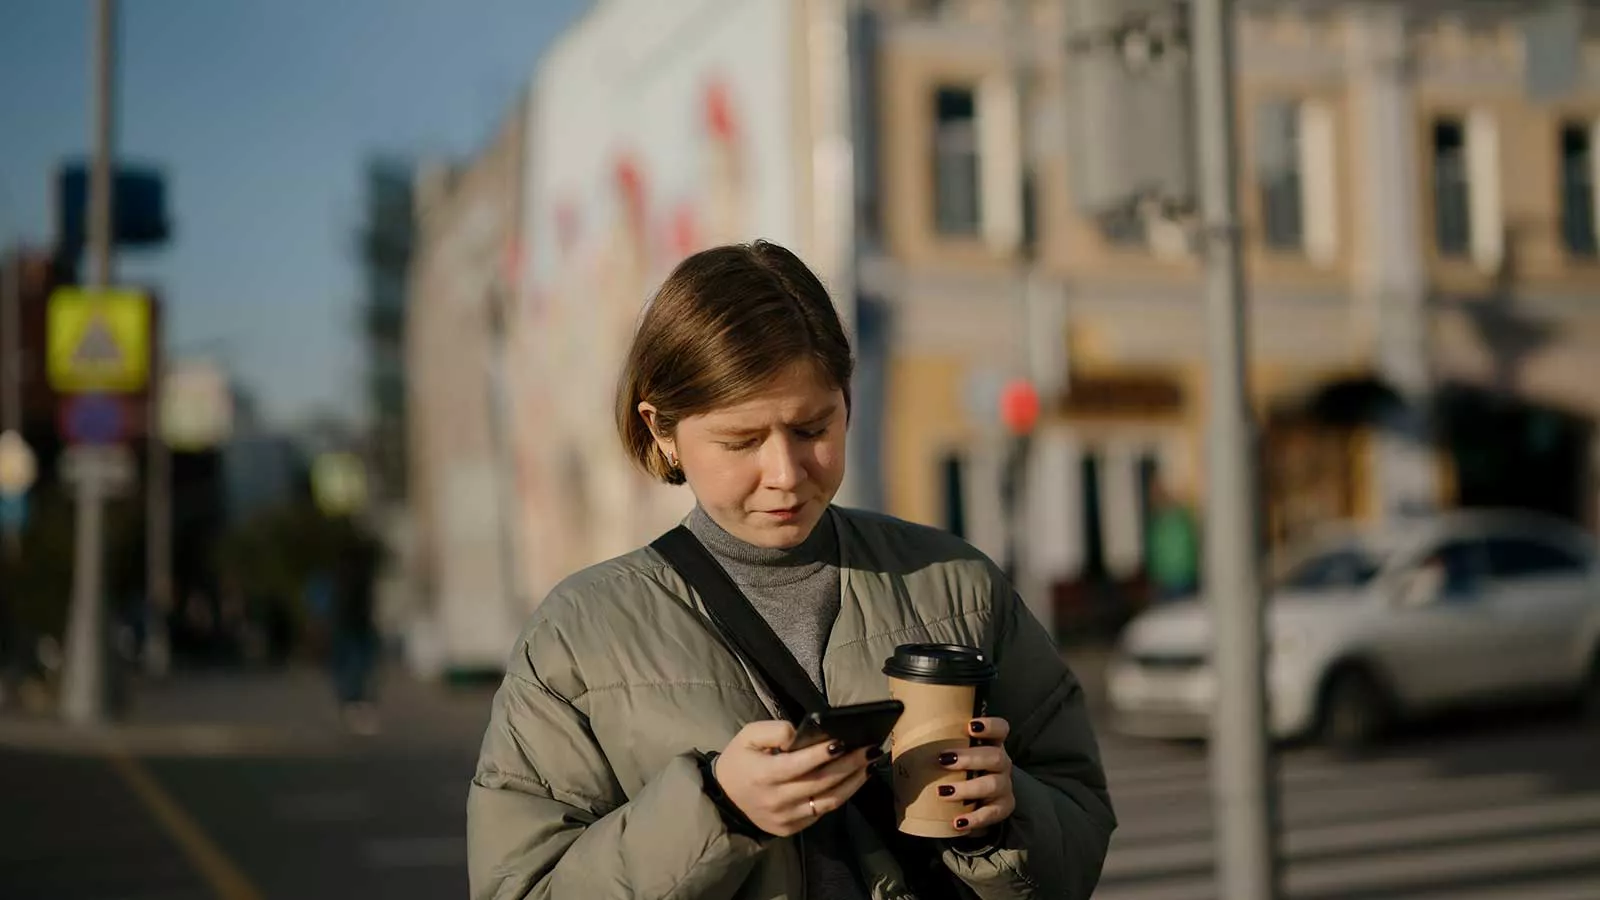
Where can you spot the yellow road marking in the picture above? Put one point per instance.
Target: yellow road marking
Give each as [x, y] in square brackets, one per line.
[219, 872]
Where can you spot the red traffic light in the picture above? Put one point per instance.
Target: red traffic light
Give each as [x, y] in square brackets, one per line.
[1019, 406]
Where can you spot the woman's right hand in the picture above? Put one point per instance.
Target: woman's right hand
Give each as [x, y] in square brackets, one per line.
[785, 793]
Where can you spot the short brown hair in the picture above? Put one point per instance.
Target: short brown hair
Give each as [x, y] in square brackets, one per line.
[722, 326]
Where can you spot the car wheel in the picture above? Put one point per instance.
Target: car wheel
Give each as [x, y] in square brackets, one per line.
[1355, 711]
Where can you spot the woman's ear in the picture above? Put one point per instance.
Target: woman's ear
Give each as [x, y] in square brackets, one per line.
[652, 421]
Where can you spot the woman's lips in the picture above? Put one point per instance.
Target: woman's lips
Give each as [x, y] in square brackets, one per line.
[787, 514]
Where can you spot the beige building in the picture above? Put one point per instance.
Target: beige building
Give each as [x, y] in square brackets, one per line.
[468, 567]
[1413, 222]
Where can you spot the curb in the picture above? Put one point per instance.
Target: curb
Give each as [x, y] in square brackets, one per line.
[179, 740]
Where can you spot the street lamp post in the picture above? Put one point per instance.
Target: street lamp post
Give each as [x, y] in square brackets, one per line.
[83, 689]
[1242, 786]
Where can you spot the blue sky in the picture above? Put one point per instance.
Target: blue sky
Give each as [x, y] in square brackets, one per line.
[261, 112]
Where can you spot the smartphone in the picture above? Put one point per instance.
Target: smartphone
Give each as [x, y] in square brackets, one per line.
[857, 726]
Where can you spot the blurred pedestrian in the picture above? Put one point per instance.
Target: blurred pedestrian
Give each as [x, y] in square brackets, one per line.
[1173, 564]
[353, 630]
[632, 754]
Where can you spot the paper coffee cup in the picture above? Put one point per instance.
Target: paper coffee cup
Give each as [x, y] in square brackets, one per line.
[943, 686]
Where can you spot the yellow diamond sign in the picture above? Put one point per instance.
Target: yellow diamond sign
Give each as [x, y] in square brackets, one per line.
[99, 341]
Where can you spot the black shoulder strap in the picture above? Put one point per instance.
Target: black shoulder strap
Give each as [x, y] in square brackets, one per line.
[741, 624]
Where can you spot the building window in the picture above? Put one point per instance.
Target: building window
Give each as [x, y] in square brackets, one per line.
[955, 493]
[1577, 190]
[955, 161]
[1278, 175]
[1452, 203]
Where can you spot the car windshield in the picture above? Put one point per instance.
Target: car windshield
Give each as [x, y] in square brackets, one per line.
[1346, 567]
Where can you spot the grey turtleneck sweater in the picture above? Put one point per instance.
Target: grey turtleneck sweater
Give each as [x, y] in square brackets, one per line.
[797, 591]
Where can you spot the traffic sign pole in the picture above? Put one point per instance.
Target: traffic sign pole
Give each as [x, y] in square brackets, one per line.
[83, 692]
[83, 689]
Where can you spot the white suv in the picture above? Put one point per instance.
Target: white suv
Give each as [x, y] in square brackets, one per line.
[1364, 628]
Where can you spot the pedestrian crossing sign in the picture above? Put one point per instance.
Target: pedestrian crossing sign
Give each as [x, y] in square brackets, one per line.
[99, 340]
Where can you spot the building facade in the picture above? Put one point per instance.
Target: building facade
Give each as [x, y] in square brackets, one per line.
[461, 485]
[1420, 252]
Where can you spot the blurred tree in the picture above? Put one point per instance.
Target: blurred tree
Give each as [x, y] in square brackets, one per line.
[274, 555]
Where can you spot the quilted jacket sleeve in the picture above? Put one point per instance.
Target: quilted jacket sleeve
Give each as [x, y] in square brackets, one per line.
[547, 819]
[1055, 844]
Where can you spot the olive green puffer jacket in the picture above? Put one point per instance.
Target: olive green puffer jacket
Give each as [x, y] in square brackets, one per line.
[588, 785]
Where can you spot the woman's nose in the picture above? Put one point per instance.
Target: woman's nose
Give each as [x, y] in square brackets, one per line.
[781, 466]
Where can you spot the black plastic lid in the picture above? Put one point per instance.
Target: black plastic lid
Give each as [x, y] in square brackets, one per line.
[939, 664]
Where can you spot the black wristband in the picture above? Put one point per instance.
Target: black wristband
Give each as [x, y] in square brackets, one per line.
[732, 816]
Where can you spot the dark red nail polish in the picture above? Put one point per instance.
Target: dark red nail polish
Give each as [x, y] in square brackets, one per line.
[947, 790]
[977, 727]
[835, 748]
[874, 753]
[961, 823]
[947, 759]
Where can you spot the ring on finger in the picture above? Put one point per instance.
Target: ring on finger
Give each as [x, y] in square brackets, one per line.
[812, 802]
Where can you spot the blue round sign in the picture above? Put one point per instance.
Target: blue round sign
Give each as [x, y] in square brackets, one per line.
[94, 419]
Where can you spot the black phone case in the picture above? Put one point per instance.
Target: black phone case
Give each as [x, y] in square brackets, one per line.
[858, 726]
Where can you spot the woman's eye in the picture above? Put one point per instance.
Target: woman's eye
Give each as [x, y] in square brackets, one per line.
[810, 434]
[739, 446]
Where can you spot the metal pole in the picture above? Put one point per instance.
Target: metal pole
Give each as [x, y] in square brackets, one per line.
[1242, 785]
[100, 198]
[83, 691]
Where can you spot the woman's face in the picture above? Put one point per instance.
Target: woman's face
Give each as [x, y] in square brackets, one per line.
[767, 468]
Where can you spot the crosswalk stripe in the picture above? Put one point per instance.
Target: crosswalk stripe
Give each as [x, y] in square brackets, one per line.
[1162, 771]
[1333, 804]
[1359, 836]
[1503, 816]
[1141, 788]
[1581, 888]
[1399, 870]
[1420, 869]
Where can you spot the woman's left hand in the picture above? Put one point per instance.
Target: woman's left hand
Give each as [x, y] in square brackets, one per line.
[990, 787]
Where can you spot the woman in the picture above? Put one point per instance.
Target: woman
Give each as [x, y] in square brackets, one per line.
[632, 754]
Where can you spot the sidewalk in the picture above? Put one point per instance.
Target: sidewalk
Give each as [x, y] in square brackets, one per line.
[283, 712]
[292, 712]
